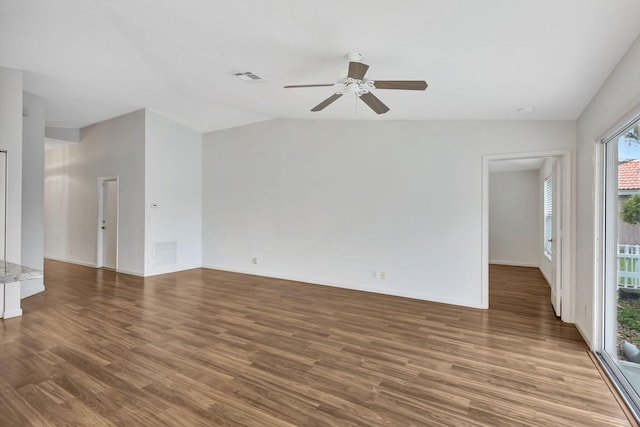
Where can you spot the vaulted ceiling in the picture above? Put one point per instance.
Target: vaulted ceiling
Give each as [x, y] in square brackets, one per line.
[483, 59]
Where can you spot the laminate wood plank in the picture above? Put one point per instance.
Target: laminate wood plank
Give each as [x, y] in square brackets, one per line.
[60, 411]
[269, 400]
[177, 416]
[403, 409]
[15, 410]
[205, 347]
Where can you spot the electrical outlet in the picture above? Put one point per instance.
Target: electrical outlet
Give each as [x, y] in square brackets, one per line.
[383, 275]
[374, 274]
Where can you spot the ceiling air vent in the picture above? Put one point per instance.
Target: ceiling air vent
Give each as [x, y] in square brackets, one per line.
[247, 75]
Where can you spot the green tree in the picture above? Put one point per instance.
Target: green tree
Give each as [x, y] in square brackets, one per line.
[633, 136]
[630, 212]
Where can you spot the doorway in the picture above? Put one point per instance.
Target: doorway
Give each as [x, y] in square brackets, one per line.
[547, 244]
[107, 250]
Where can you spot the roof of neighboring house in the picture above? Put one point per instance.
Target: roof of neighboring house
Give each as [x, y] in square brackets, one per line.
[629, 175]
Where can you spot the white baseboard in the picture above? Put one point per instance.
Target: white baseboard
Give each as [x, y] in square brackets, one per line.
[584, 336]
[12, 313]
[383, 291]
[555, 309]
[514, 263]
[31, 287]
[172, 269]
[131, 272]
[71, 261]
[92, 264]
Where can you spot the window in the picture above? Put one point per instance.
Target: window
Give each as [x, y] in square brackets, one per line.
[620, 340]
[548, 215]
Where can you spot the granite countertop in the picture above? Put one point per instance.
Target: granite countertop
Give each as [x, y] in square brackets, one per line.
[11, 272]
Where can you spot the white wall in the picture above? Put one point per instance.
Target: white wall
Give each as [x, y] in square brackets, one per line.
[156, 161]
[32, 249]
[33, 182]
[111, 148]
[331, 201]
[11, 140]
[514, 218]
[619, 95]
[173, 169]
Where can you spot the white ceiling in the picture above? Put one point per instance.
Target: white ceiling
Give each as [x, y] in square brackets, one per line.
[483, 59]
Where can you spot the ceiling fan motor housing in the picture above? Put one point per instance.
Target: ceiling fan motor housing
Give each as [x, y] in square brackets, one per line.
[354, 56]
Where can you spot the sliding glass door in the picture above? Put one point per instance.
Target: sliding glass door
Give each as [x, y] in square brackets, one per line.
[621, 297]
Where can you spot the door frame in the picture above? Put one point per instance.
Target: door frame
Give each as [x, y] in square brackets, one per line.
[99, 240]
[556, 235]
[567, 243]
[599, 212]
[604, 256]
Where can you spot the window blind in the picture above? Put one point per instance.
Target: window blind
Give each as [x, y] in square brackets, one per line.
[548, 214]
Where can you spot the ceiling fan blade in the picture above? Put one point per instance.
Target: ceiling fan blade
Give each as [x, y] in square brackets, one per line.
[400, 84]
[374, 103]
[318, 85]
[357, 70]
[326, 102]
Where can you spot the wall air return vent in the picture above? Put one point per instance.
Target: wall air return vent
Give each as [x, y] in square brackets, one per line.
[164, 253]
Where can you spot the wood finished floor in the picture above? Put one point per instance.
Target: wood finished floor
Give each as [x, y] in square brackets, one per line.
[209, 348]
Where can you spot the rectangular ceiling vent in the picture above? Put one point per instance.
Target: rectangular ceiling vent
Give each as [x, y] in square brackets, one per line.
[247, 75]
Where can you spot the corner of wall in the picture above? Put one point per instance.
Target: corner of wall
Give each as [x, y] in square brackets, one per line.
[585, 336]
[11, 109]
[32, 237]
[173, 202]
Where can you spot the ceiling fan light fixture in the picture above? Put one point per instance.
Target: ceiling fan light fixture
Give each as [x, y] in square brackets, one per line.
[356, 83]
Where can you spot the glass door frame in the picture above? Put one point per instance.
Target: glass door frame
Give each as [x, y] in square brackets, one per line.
[606, 260]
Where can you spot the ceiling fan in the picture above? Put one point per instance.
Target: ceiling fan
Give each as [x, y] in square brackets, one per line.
[357, 84]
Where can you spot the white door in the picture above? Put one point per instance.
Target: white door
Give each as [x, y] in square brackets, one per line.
[109, 225]
[556, 239]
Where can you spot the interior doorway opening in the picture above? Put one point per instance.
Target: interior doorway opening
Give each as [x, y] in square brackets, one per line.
[518, 231]
[108, 199]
